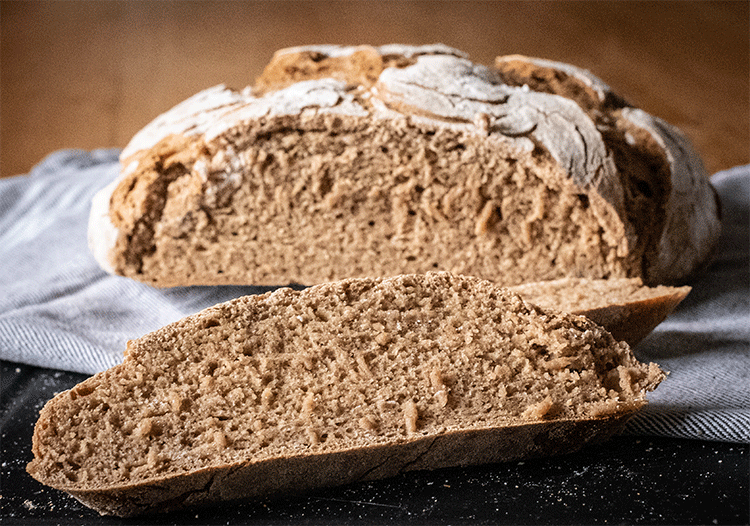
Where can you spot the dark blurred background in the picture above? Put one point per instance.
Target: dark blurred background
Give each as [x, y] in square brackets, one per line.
[89, 74]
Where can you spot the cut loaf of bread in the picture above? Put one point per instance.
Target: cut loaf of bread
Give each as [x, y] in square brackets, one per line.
[377, 161]
[626, 308]
[341, 382]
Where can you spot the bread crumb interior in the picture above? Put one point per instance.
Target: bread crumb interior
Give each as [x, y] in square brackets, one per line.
[324, 197]
[338, 366]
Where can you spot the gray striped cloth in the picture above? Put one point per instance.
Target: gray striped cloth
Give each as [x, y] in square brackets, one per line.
[59, 310]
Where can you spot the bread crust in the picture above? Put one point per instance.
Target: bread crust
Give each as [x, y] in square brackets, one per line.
[279, 476]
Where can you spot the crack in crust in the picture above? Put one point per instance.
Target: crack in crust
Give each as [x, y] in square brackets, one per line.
[654, 164]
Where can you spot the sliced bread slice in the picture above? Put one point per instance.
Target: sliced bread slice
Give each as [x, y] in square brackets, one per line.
[625, 307]
[346, 381]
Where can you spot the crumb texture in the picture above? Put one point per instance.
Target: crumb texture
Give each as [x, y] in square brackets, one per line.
[342, 367]
[369, 200]
[361, 161]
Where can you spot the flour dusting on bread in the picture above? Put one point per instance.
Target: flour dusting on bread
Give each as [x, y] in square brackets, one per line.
[376, 161]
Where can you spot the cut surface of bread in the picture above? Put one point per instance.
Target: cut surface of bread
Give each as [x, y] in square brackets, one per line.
[627, 308]
[377, 161]
[346, 381]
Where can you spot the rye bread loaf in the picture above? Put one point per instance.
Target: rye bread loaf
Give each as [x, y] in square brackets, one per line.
[626, 308]
[377, 161]
[345, 381]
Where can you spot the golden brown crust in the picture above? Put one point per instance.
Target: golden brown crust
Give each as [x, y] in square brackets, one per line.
[362, 67]
[518, 71]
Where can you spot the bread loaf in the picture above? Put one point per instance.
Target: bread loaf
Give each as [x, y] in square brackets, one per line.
[626, 308]
[362, 161]
[345, 381]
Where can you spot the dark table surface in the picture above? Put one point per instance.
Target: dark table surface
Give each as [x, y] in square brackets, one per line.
[628, 480]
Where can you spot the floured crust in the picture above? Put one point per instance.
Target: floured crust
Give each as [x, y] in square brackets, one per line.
[685, 235]
[643, 191]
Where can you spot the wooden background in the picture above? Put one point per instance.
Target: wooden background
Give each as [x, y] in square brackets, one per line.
[90, 74]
